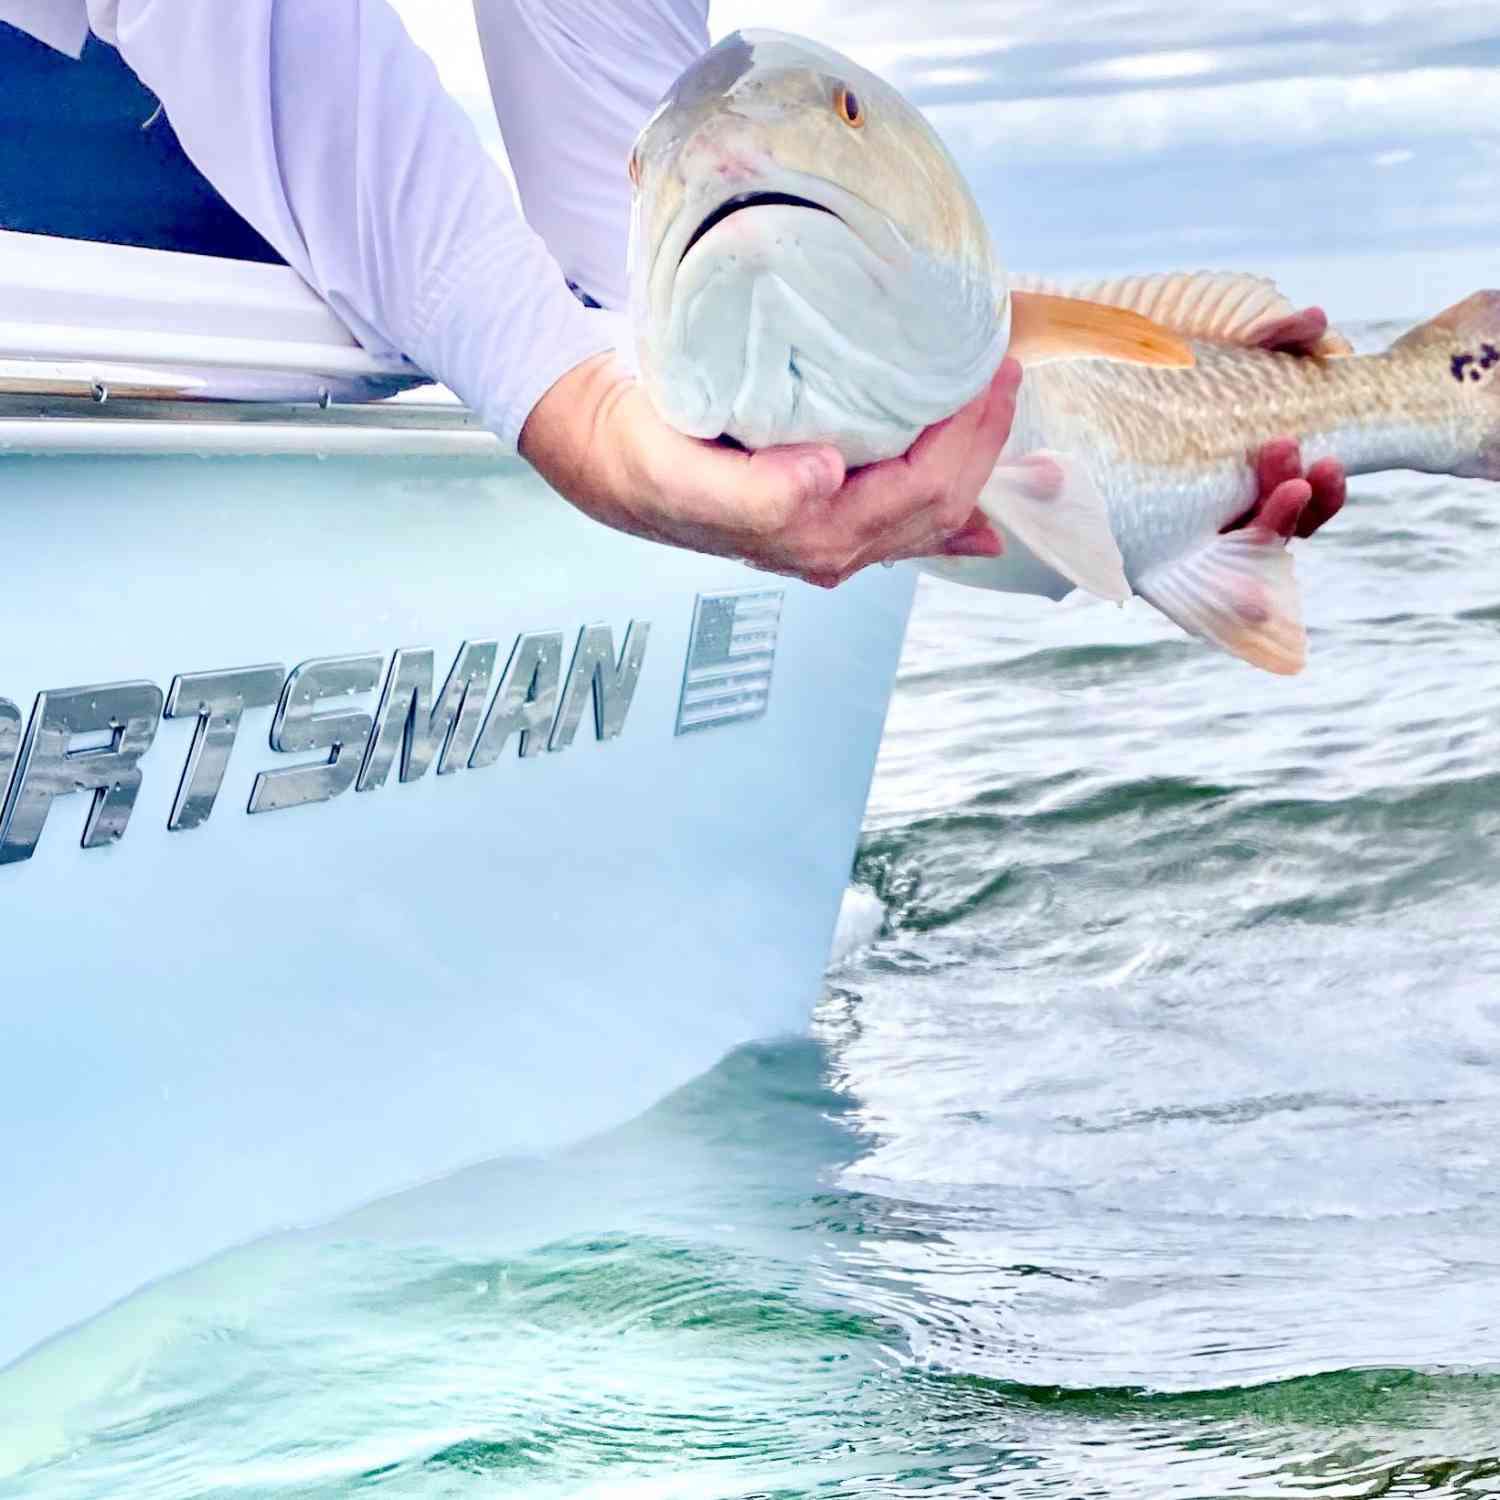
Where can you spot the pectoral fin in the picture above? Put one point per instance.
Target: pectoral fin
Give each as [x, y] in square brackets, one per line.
[1044, 327]
[1050, 503]
[1240, 592]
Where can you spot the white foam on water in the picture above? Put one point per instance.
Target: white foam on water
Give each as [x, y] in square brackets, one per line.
[861, 916]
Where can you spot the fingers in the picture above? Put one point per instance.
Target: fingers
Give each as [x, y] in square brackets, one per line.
[799, 475]
[1286, 502]
[922, 504]
[1283, 510]
[1277, 462]
[939, 477]
[877, 499]
[1297, 333]
[990, 439]
[1296, 510]
[766, 489]
[1330, 488]
[795, 511]
[978, 538]
[1282, 490]
[975, 538]
[751, 506]
[986, 419]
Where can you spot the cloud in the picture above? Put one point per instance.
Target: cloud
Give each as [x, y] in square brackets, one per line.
[1139, 134]
[1151, 67]
[1278, 113]
[1106, 135]
[892, 29]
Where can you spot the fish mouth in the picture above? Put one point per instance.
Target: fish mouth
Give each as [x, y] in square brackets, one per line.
[750, 200]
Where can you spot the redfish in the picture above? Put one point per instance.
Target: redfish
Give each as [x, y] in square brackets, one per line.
[808, 264]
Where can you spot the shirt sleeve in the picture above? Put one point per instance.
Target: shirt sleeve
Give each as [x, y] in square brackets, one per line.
[326, 127]
[573, 81]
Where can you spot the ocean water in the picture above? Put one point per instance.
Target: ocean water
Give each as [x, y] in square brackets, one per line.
[1148, 1147]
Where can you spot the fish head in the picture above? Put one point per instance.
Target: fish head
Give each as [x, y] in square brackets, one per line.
[807, 262]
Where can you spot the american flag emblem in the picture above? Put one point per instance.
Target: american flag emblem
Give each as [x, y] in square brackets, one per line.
[727, 679]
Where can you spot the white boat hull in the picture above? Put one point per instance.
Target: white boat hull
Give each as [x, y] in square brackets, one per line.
[217, 1031]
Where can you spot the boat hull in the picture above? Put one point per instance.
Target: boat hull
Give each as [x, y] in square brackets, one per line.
[215, 1031]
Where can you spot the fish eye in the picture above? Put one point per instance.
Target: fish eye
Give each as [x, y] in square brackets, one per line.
[850, 107]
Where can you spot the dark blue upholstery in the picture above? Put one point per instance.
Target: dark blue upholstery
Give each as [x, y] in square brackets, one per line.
[75, 160]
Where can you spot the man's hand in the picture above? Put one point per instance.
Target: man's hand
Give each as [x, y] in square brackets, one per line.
[1289, 502]
[597, 440]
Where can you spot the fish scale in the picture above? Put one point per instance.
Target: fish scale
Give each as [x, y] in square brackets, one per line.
[1172, 450]
[803, 272]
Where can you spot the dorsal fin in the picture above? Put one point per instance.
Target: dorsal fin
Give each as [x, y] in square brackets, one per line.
[1227, 307]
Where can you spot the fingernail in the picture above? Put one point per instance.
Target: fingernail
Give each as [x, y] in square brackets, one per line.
[1009, 374]
[823, 472]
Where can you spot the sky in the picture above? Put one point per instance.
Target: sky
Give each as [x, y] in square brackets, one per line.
[1351, 148]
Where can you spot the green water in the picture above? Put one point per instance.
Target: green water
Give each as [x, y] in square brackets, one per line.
[1148, 1151]
[732, 1323]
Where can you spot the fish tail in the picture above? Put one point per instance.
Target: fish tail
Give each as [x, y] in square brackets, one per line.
[1463, 347]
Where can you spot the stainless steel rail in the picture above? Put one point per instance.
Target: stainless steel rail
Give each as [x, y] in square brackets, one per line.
[73, 406]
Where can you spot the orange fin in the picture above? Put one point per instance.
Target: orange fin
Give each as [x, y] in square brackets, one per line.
[1050, 503]
[1227, 307]
[1240, 592]
[1044, 327]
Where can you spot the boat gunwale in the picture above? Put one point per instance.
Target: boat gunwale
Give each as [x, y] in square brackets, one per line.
[107, 348]
[112, 405]
[134, 409]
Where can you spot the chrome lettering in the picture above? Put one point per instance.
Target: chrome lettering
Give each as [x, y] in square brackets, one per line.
[91, 739]
[299, 726]
[11, 725]
[217, 699]
[49, 766]
[408, 717]
[525, 700]
[593, 669]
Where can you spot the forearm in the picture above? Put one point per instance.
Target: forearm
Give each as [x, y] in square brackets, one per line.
[326, 127]
[573, 82]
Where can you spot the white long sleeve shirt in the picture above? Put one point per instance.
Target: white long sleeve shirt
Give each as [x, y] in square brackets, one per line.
[327, 129]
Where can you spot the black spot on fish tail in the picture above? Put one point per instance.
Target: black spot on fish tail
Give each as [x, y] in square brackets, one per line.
[1488, 355]
[1461, 362]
